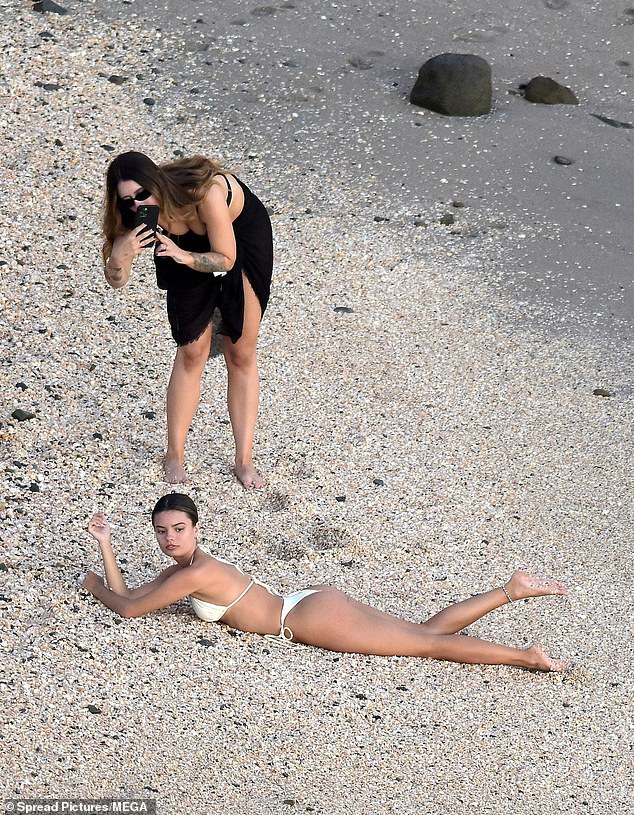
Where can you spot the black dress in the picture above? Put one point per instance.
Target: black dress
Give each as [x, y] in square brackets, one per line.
[192, 296]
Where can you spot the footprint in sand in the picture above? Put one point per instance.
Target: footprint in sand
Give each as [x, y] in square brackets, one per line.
[324, 538]
[364, 61]
[481, 32]
[277, 501]
[287, 551]
[263, 11]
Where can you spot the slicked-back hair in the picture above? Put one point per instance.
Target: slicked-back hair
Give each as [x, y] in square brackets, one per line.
[179, 502]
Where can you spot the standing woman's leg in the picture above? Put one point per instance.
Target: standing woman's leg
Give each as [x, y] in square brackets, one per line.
[243, 388]
[183, 395]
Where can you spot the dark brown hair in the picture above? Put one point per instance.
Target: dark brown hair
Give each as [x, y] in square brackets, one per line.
[179, 502]
[178, 187]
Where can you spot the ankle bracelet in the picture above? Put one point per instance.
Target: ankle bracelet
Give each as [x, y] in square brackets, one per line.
[508, 596]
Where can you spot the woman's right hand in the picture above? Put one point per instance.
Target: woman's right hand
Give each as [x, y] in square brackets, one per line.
[124, 250]
[135, 241]
[99, 528]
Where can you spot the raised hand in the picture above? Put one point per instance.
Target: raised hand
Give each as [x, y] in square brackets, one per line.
[140, 238]
[99, 528]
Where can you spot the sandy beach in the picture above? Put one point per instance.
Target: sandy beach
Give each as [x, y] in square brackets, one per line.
[441, 404]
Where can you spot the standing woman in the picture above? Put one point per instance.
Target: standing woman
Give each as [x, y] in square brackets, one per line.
[215, 249]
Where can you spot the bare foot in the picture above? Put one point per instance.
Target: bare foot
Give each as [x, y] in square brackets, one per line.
[538, 660]
[249, 477]
[174, 471]
[524, 584]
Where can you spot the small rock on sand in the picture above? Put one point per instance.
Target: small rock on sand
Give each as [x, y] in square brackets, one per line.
[545, 91]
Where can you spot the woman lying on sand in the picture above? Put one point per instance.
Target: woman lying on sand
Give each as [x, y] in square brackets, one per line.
[319, 615]
[214, 248]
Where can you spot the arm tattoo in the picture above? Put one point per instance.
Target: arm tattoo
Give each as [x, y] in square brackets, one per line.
[204, 263]
[115, 272]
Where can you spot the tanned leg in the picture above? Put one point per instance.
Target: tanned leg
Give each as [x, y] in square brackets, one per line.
[522, 584]
[183, 395]
[243, 389]
[334, 621]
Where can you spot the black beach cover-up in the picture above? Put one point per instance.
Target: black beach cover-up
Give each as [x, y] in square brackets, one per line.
[192, 296]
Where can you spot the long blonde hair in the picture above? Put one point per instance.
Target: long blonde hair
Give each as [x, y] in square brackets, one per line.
[178, 186]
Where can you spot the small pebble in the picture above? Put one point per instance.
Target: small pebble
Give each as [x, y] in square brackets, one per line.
[205, 642]
[22, 415]
[47, 86]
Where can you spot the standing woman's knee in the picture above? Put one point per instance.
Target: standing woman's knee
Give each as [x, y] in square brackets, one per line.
[239, 355]
[240, 359]
[193, 355]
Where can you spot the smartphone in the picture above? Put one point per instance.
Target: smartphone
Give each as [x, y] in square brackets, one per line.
[148, 215]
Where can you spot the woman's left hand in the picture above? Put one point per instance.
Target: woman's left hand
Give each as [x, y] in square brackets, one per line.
[166, 248]
[92, 581]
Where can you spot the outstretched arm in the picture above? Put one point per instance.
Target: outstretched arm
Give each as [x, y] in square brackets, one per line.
[116, 592]
[161, 594]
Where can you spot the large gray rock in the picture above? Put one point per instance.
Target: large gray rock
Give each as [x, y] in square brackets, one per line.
[545, 91]
[454, 84]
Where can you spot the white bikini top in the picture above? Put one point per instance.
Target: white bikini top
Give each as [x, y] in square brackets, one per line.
[210, 612]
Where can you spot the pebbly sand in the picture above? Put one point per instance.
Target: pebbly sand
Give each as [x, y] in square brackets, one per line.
[438, 432]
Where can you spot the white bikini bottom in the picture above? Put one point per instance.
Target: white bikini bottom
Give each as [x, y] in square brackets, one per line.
[289, 602]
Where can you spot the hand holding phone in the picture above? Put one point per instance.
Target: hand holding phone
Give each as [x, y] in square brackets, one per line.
[147, 215]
